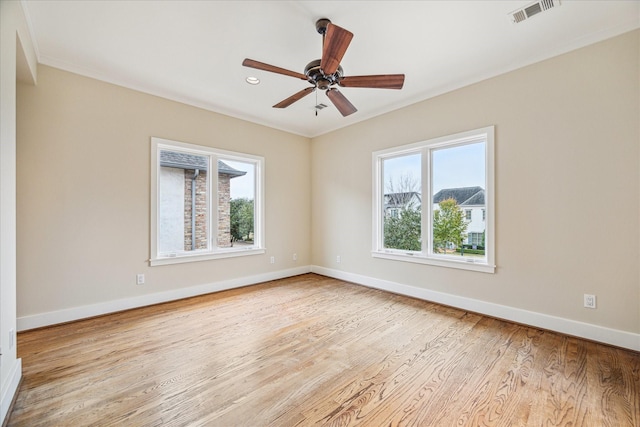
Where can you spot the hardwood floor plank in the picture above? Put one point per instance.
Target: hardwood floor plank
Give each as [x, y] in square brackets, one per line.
[563, 383]
[445, 403]
[311, 350]
[612, 382]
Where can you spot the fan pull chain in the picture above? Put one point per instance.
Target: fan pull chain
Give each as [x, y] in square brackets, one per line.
[316, 107]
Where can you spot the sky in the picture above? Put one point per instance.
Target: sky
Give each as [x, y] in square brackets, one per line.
[242, 186]
[453, 167]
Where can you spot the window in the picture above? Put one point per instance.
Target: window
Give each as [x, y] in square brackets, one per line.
[454, 227]
[475, 240]
[205, 203]
[402, 187]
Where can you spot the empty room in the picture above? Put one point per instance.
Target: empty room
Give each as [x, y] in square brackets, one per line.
[341, 213]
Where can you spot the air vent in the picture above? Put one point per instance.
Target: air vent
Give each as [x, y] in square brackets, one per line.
[320, 106]
[532, 10]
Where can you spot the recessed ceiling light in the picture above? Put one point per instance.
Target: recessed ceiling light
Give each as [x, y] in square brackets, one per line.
[253, 80]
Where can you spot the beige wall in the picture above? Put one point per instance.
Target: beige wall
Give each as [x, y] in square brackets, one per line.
[567, 186]
[83, 192]
[567, 189]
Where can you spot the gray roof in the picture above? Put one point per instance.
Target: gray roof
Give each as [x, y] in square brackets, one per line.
[228, 170]
[464, 196]
[400, 199]
[475, 200]
[174, 159]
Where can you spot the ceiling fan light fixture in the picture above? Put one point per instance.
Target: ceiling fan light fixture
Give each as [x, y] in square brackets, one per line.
[323, 84]
[252, 80]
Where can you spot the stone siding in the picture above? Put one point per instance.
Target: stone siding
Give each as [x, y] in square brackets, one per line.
[224, 211]
[201, 210]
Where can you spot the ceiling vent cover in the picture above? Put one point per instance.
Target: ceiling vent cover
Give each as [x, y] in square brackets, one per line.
[532, 9]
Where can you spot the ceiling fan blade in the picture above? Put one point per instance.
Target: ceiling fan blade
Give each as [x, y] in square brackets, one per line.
[295, 97]
[342, 104]
[382, 81]
[272, 68]
[336, 42]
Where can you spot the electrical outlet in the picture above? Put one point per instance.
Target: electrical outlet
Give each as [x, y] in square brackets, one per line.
[338, 259]
[295, 257]
[273, 260]
[589, 301]
[140, 279]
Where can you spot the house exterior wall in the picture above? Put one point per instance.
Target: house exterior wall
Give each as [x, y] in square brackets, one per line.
[393, 207]
[476, 225]
[171, 215]
[175, 220]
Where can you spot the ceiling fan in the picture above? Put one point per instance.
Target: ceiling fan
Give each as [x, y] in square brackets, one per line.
[326, 73]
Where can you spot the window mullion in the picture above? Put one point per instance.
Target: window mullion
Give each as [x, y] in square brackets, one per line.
[380, 204]
[427, 205]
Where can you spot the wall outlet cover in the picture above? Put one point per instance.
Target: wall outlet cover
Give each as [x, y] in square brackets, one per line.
[589, 301]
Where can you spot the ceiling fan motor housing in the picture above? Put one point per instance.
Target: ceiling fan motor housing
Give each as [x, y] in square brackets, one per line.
[318, 78]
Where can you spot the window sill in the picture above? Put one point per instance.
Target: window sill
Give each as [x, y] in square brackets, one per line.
[231, 253]
[441, 262]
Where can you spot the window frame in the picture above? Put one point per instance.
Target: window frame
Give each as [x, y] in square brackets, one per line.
[426, 255]
[214, 154]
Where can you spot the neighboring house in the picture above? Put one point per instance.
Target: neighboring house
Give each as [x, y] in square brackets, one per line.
[183, 206]
[472, 204]
[394, 202]
[470, 200]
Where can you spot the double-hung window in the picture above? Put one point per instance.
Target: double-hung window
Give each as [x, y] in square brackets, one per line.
[433, 201]
[205, 203]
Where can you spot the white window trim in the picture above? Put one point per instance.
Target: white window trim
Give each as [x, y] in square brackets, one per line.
[158, 144]
[426, 256]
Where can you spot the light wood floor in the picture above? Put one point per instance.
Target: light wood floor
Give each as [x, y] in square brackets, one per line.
[312, 350]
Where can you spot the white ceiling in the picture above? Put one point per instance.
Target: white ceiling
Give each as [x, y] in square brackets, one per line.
[192, 51]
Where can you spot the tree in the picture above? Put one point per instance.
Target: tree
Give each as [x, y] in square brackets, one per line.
[403, 231]
[449, 226]
[241, 219]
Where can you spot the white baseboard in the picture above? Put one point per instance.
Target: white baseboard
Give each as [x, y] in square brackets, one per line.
[9, 393]
[588, 331]
[67, 315]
